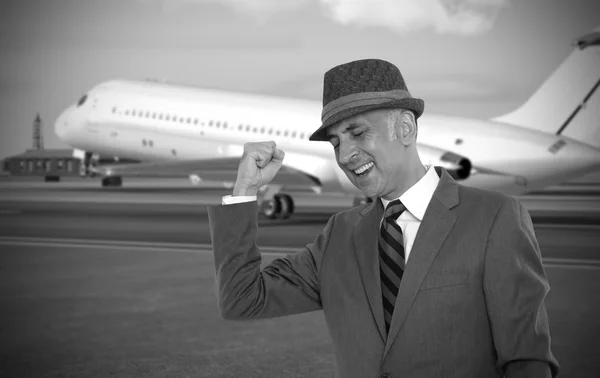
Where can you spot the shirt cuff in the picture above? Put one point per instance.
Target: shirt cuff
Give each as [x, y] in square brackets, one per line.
[230, 200]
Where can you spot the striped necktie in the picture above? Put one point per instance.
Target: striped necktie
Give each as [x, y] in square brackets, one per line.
[391, 258]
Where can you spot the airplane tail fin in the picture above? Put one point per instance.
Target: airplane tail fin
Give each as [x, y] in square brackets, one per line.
[568, 103]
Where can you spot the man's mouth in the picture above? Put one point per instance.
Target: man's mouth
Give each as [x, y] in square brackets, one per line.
[363, 169]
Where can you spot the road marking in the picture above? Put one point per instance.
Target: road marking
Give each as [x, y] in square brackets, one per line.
[551, 262]
[130, 245]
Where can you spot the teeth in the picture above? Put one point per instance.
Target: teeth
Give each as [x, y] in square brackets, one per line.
[360, 170]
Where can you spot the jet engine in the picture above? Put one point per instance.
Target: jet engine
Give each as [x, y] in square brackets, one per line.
[458, 166]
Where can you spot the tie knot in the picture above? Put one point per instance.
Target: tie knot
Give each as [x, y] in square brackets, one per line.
[393, 210]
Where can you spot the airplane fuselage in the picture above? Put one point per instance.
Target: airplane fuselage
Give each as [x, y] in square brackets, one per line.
[150, 121]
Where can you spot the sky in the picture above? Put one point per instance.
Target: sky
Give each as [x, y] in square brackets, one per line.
[473, 58]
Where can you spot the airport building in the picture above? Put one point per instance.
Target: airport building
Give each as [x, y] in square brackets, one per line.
[52, 164]
[38, 161]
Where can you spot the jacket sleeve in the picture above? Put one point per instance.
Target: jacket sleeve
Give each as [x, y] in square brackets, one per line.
[288, 285]
[515, 287]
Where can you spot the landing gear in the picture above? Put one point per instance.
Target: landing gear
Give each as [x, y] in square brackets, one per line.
[280, 206]
[89, 161]
[113, 181]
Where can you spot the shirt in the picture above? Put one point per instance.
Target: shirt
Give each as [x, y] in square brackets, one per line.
[415, 199]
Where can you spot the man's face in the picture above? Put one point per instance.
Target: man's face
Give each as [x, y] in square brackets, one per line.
[370, 151]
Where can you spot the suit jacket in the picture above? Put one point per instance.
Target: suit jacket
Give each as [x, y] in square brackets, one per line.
[471, 301]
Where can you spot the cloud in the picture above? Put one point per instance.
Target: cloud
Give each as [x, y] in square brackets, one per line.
[461, 17]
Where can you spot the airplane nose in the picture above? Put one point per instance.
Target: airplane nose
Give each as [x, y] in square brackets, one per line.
[61, 126]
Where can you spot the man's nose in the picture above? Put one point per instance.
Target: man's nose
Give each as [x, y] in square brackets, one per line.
[346, 152]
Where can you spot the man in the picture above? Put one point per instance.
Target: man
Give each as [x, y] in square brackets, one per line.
[432, 279]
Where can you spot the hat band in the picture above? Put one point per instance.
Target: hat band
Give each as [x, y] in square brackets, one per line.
[361, 99]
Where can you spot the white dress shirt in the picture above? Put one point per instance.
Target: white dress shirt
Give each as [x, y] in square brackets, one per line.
[415, 199]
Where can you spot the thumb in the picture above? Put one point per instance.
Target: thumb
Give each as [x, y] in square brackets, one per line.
[278, 155]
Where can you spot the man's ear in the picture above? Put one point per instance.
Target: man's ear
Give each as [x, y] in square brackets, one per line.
[408, 128]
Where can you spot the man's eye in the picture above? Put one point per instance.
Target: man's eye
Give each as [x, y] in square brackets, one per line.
[359, 133]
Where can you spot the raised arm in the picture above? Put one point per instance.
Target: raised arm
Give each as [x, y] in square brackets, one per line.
[288, 285]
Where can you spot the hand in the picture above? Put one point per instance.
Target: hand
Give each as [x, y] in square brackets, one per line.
[259, 165]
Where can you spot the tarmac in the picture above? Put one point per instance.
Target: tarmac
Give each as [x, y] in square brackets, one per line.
[72, 248]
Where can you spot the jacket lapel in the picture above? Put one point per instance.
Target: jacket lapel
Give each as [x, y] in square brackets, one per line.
[435, 227]
[365, 239]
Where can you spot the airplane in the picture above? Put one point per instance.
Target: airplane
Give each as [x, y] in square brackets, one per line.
[180, 130]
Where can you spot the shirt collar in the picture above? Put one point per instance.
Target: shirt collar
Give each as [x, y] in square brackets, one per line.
[417, 197]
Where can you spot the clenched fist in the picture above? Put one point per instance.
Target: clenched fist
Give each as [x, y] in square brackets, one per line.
[259, 165]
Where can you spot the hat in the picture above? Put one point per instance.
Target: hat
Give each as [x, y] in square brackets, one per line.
[363, 85]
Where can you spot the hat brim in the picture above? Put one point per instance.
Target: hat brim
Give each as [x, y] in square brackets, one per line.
[415, 104]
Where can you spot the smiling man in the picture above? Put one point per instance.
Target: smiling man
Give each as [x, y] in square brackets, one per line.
[368, 150]
[431, 279]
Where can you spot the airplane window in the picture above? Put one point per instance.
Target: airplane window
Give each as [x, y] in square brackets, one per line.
[254, 129]
[147, 114]
[262, 130]
[278, 132]
[224, 125]
[218, 124]
[126, 112]
[174, 118]
[144, 143]
[174, 152]
[160, 116]
[153, 115]
[247, 127]
[294, 134]
[168, 117]
[189, 120]
[114, 109]
[210, 123]
[141, 114]
[82, 100]
[195, 121]
[151, 143]
[133, 112]
[181, 120]
[285, 133]
[270, 131]
[240, 127]
[301, 135]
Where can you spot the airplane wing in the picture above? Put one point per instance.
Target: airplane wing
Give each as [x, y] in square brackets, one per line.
[218, 169]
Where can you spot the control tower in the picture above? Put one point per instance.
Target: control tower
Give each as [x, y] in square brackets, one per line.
[38, 135]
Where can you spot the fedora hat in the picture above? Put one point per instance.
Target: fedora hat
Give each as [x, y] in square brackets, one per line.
[360, 86]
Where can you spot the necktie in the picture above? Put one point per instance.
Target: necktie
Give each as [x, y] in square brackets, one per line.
[391, 258]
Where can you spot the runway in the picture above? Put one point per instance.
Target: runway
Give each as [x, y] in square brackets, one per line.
[120, 282]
